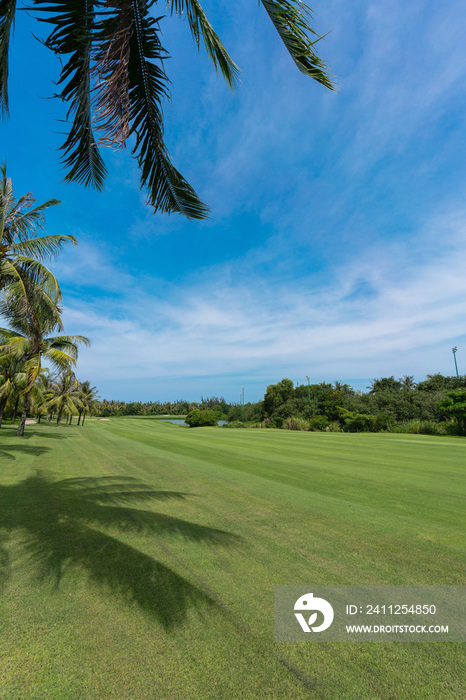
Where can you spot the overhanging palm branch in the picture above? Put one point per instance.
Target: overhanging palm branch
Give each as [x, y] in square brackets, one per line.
[139, 87]
[7, 19]
[114, 83]
[72, 35]
[199, 24]
[291, 19]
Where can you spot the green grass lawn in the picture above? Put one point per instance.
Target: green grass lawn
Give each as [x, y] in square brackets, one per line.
[138, 559]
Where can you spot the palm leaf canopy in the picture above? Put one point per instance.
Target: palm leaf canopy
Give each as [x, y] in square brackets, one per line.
[60, 351]
[22, 250]
[114, 83]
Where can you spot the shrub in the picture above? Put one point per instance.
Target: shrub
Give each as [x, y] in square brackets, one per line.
[318, 423]
[333, 427]
[235, 424]
[453, 405]
[357, 422]
[400, 428]
[425, 427]
[295, 423]
[198, 418]
[383, 421]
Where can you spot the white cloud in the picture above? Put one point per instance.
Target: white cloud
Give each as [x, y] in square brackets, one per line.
[379, 315]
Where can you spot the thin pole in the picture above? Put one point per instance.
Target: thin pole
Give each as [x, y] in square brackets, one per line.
[454, 351]
[308, 389]
[242, 402]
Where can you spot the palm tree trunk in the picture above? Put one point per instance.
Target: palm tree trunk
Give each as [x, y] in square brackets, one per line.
[71, 418]
[84, 415]
[2, 408]
[60, 411]
[79, 417]
[24, 414]
[15, 410]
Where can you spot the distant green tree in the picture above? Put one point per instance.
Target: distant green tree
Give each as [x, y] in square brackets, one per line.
[199, 418]
[407, 381]
[453, 405]
[385, 384]
[276, 395]
[437, 382]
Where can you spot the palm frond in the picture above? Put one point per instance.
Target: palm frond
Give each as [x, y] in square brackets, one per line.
[6, 194]
[72, 36]
[24, 202]
[168, 190]
[15, 345]
[69, 341]
[199, 24]
[26, 225]
[37, 274]
[59, 359]
[42, 247]
[7, 19]
[8, 273]
[33, 312]
[291, 19]
[111, 74]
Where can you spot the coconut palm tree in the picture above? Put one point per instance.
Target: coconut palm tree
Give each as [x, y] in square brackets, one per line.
[88, 395]
[407, 381]
[22, 249]
[12, 380]
[67, 395]
[32, 318]
[114, 82]
[46, 385]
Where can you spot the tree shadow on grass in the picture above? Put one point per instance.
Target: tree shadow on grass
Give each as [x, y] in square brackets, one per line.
[60, 522]
[9, 452]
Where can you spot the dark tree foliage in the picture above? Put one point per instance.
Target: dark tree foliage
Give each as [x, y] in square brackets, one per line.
[201, 417]
[453, 405]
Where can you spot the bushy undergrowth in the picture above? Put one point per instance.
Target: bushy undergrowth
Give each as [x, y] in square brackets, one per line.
[295, 423]
[319, 423]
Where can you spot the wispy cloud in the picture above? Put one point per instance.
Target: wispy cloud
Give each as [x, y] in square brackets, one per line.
[375, 316]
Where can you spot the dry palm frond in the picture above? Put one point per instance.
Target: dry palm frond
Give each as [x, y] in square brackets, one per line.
[111, 74]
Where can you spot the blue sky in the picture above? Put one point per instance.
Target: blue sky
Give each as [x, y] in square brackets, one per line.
[336, 243]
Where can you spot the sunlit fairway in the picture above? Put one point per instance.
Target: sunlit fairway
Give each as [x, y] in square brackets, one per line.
[138, 558]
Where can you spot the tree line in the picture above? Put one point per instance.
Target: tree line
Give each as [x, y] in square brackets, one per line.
[31, 305]
[436, 405]
[179, 407]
